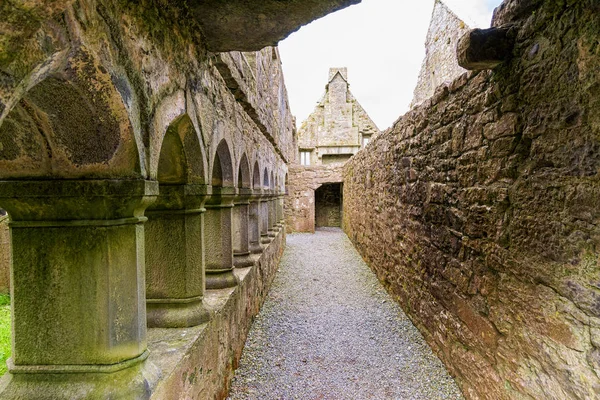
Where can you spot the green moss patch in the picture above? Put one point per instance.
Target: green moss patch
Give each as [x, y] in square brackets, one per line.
[4, 332]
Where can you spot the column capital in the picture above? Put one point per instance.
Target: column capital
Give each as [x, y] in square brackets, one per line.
[181, 197]
[221, 197]
[81, 200]
[243, 196]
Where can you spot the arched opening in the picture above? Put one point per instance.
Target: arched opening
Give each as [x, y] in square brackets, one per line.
[173, 232]
[222, 173]
[328, 205]
[265, 179]
[286, 185]
[244, 173]
[180, 159]
[72, 124]
[256, 176]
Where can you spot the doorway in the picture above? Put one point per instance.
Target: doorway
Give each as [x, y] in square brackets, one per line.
[328, 205]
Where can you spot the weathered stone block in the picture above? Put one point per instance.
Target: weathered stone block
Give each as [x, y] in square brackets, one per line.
[485, 48]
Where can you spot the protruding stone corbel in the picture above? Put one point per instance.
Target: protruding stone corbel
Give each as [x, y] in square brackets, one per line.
[481, 49]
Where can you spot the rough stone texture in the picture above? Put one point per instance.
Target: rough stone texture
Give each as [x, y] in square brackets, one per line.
[440, 63]
[92, 97]
[242, 25]
[485, 48]
[299, 204]
[479, 211]
[4, 255]
[336, 128]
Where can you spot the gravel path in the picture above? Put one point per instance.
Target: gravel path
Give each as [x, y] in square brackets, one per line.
[328, 330]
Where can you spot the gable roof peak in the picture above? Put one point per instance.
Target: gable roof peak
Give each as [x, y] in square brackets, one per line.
[343, 71]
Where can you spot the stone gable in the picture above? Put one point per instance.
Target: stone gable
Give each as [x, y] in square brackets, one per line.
[440, 64]
[338, 125]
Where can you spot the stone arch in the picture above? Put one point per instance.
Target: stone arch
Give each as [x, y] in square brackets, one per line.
[222, 172]
[181, 159]
[256, 176]
[244, 178]
[72, 123]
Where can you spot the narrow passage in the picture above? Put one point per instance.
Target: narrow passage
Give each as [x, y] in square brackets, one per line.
[328, 330]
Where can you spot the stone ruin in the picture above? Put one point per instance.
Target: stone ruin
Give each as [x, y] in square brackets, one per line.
[440, 64]
[139, 167]
[336, 130]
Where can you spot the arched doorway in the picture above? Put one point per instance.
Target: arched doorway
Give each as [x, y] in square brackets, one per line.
[328, 205]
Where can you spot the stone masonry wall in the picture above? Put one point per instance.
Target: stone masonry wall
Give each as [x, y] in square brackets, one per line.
[299, 206]
[479, 211]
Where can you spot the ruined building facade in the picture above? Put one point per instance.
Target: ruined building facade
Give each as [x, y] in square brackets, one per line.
[336, 130]
[440, 64]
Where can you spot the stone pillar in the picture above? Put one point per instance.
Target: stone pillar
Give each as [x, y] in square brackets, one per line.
[264, 218]
[255, 222]
[219, 239]
[272, 231]
[241, 216]
[280, 215]
[78, 289]
[175, 257]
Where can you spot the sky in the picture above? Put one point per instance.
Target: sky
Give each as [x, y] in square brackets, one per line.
[381, 42]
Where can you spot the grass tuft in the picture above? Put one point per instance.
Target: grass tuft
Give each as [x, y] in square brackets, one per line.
[4, 332]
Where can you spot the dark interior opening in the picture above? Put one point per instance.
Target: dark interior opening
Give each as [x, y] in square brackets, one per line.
[328, 205]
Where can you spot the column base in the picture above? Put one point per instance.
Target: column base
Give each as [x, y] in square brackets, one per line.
[272, 232]
[137, 382]
[176, 313]
[220, 279]
[242, 260]
[266, 239]
[255, 248]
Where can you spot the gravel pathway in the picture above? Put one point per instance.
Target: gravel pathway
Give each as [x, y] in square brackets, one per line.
[329, 330]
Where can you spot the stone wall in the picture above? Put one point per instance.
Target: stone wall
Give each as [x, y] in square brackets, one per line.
[299, 207]
[4, 256]
[479, 211]
[440, 64]
[337, 125]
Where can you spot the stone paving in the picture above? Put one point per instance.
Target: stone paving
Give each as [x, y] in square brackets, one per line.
[328, 330]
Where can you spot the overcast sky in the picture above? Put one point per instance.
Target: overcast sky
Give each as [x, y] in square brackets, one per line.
[382, 44]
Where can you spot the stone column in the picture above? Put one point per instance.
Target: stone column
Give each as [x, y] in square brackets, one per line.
[255, 222]
[264, 218]
[241, 244]
[78, 290]
[175, 257]
[280, 215]
[272, 231]
[219, 239]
